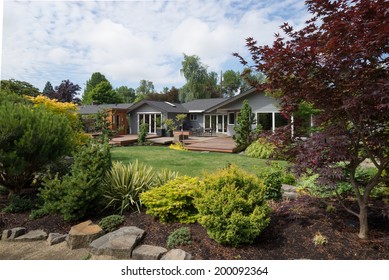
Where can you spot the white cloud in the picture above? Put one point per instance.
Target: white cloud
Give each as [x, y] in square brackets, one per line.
[132, 40]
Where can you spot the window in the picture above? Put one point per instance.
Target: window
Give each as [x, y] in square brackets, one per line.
[265, 120]
[193, 117]
[117, 120]
[280, 120]
[231, 118]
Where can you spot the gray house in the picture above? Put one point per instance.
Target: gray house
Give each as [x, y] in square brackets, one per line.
[216, 114]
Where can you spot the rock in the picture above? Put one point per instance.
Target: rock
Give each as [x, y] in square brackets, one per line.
[81, 235]
[119, 243]
[148, 252]
[55, 238]
[177, 254]
[33, 235]
[10, 234]
[288, 188]
[289, 195]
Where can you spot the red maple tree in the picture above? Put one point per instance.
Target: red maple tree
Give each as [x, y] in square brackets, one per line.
[339, 64]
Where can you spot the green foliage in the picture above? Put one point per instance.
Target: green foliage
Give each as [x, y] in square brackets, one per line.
[243, 127]
[124, 184]
[111, 223]
[173, 201]
[30, 138]
[78, 193]
[103, 125]
[19, 204]
[170, 125]
[179, 237]
[260, 149]
[232, 206]
[319, 239]
[103, 93]
[19, 87]
[165, 176]
[95, 79]
[37, 213]
[142, 133]
[272, 178]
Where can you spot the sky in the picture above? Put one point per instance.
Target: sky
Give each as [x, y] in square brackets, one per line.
[129, 41]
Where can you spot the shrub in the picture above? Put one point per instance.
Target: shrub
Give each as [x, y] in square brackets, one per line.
[111, 223]
[173, 201]
[272, 178]
[179, 146]
[232, 206]
[243, 126]
[124, 184]
[19, 204]
[80, 192]
[142, 133]
[261, 149]
[30, 138]
[179, 237]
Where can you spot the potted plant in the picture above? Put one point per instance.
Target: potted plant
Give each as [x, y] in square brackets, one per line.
[170, 126]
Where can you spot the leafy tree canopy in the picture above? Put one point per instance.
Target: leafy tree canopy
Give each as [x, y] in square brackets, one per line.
[338, 63]
[66, 91]
[95, 79]
[19, 87]
[199, 83]
[103, 93]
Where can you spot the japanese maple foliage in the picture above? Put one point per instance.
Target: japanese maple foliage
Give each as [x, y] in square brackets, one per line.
[338, 63]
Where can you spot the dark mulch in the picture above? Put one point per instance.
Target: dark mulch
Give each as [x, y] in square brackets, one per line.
[289, 235]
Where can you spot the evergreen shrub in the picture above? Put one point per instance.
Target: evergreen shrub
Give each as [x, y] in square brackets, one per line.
[173, 202]
[80, 192]
[111, 223]
[179, 237]
[232, 206]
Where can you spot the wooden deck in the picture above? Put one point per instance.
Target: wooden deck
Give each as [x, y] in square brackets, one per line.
[222, 144]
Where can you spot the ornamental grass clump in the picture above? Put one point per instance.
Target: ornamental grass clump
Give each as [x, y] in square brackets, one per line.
[232, 206]
[124, 184]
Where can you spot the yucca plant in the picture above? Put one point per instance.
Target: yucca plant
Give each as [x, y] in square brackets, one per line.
[124, 184]
[165, 176]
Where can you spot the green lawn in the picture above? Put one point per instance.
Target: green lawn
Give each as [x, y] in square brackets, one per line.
[185, 162]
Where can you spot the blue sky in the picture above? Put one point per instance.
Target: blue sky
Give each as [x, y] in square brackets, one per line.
[128, 41]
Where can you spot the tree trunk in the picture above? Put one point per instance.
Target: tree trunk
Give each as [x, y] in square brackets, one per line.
[363, 225]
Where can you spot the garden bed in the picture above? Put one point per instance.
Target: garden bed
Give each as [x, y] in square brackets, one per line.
[289, 236]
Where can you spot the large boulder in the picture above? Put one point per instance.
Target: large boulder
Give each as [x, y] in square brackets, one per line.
[118, 244]
[81, 235]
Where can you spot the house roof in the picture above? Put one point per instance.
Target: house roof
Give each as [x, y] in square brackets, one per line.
[93, 109]
[230, 100]
[161, 105]
[201, 105]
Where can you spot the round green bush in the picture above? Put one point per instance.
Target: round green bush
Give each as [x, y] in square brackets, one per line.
[232, 206]
[111, 223]
[179, 237]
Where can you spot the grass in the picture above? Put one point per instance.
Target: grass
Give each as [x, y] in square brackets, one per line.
[185, 162]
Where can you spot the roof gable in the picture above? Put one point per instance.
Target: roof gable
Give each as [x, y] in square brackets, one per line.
[201, 105]
[161, 106]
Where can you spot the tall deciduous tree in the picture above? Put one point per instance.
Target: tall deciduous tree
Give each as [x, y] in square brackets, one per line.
[19, 87]
[66, 91]
[231, 83]
[126, 94]
[95, 79]
[103, 93]
[339, 63]
[199, 83]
